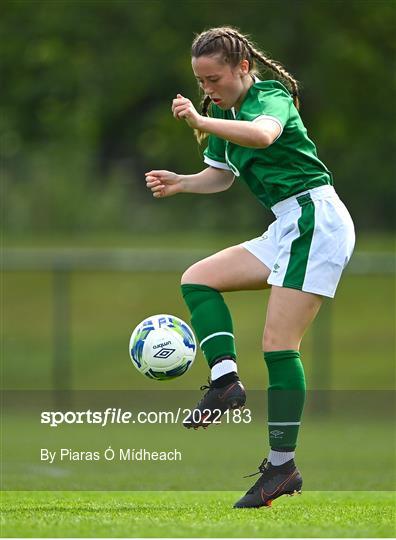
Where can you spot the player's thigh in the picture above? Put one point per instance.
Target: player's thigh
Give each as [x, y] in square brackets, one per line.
[289, 314]
[232, 269]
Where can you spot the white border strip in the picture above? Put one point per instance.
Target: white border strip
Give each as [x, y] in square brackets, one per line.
[274, 119]
[284, 423]
[216, 164]
[215, 335]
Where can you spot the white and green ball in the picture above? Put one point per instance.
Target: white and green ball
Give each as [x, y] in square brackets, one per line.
[162, 347]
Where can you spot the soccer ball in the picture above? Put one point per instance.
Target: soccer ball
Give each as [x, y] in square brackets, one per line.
[162, 347]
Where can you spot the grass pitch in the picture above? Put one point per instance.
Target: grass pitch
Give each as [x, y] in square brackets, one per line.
[195, 514]
[108, 305]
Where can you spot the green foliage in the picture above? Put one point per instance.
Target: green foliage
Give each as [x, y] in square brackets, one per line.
[88, 92]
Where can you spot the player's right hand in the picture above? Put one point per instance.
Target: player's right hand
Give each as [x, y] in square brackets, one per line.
[163, 183]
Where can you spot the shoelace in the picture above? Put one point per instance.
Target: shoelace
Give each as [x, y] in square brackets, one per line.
[205, 387]
[261, 470]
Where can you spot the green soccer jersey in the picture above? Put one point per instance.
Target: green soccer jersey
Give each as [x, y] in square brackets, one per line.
[288, 166]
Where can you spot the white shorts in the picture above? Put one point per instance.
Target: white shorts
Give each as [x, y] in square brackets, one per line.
[309, 244]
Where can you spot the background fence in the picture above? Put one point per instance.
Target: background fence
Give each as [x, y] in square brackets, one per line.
[65, 267]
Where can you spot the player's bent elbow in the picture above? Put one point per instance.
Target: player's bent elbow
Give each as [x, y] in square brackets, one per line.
[263, 139]
[228, 180]
[224, 179]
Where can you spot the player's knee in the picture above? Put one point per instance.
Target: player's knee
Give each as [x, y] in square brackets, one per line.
[279, 339]
[194, 274]
[272, 339]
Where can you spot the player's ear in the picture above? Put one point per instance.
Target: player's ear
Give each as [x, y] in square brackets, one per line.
[244, 67]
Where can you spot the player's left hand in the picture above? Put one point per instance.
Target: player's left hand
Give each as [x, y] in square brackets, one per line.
[182, 108]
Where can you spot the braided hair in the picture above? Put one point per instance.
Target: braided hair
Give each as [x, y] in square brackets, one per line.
[235, 47]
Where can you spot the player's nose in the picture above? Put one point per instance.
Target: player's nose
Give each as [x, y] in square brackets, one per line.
[207, 88]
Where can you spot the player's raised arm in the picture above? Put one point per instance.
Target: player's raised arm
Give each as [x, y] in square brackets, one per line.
[260, 134]
[166, 183]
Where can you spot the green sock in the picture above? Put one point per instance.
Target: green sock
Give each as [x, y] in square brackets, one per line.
[286, 396]
[211, 321]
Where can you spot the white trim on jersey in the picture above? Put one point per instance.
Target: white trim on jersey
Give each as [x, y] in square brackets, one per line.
[216, 164]
[274, 119]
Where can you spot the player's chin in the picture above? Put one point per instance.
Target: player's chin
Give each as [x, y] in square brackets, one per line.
[222, 105]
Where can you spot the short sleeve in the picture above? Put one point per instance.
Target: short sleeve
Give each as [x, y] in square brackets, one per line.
[273, 104]
[214, 153]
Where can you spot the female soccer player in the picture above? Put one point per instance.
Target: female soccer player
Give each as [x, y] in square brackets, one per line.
[255, 134]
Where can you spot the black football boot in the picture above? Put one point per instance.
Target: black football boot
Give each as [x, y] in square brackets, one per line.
[273, 483]
[215, 403]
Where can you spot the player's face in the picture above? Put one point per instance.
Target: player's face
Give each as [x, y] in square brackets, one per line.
[224, 84]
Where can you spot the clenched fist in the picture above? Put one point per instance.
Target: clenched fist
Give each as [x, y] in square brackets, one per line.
[163, 183]
[182, 108]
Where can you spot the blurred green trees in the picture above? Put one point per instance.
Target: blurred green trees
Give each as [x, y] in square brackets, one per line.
[86, 94]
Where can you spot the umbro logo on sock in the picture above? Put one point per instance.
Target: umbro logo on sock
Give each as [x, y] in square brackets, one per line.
[277, 434]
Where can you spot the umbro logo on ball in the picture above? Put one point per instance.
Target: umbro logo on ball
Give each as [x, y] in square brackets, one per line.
[164, 353]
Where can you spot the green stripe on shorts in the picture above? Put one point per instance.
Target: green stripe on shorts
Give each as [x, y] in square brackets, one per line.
[299, 250]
